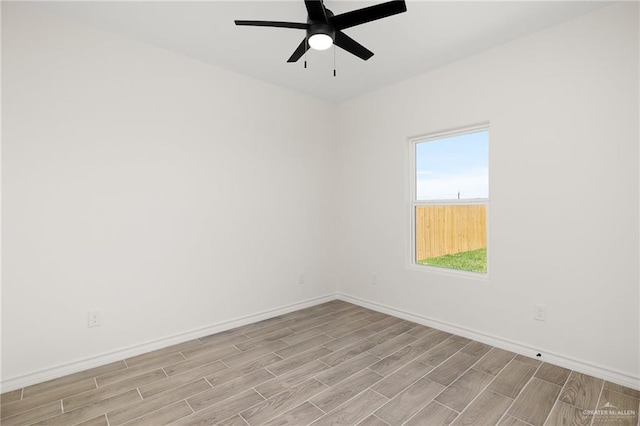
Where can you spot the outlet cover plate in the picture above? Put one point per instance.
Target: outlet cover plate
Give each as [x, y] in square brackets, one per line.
[95, 318]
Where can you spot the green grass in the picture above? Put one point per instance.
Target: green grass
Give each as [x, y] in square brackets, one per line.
[474, 261]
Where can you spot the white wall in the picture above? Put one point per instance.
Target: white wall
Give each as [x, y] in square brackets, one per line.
[563, 110]
[167, 193]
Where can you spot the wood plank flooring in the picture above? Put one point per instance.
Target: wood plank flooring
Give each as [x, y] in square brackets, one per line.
[331, 364]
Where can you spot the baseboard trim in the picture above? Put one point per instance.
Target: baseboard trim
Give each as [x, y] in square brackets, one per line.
[578, 365]
[29, 379]
[575, 364]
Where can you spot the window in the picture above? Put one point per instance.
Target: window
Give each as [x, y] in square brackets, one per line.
[450, 197]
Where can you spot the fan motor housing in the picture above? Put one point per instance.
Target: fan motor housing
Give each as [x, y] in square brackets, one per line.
[321, 27]
[316, 27]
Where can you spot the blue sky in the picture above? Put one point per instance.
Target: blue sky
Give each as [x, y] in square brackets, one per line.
[446, 166]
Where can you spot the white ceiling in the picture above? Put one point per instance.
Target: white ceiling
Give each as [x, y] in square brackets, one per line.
[429, 35]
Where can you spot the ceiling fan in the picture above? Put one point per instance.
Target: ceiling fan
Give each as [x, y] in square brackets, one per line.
[325, 29]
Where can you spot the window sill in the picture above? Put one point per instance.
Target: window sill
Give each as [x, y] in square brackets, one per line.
[480, 276]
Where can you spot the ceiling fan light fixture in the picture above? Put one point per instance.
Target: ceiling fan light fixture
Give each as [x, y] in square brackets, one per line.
[320, 41]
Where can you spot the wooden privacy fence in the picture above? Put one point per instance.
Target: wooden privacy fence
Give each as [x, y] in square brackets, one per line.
[444, 230]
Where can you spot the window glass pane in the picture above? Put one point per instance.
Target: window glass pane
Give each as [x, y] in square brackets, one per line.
[452, 168]
[452, 236]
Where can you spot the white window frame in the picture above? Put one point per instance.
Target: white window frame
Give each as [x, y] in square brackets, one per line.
[414, 202]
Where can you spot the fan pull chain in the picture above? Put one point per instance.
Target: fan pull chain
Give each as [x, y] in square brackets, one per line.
[334, 60]
[306, 47]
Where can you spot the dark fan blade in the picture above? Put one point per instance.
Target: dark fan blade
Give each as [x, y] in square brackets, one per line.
[303, 47]
[315, 9]
[295, 25]
[350, 45]
[368, 14]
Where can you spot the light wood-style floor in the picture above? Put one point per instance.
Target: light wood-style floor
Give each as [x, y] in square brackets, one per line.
[331, 364]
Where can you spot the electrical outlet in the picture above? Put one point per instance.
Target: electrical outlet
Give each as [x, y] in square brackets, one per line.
[540, 313]
[374, 279]
[301, 279]
[95, 318]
